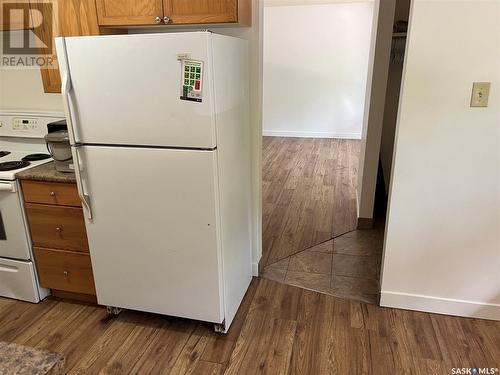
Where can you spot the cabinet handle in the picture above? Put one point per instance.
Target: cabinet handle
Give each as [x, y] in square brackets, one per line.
[52, 193]
[166, 19]
[59, 229]
[66, 273]
[158, 19]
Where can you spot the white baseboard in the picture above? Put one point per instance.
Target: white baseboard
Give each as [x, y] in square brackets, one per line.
[440, 305]
[304, 134]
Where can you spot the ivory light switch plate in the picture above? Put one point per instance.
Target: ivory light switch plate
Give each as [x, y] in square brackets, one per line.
[480, 94]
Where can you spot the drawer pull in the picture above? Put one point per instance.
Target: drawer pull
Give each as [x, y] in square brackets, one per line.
[59, 229]
[52, 193]
[66, 273]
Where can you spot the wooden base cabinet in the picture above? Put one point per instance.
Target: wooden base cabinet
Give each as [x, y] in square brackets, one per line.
[59, 239]
[64, 270]
[174, 12]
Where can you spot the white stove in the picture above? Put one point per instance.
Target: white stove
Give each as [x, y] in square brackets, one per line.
[21, 137]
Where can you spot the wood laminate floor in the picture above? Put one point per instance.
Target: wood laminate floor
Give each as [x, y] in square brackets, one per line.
[309, 193]
[279, 329]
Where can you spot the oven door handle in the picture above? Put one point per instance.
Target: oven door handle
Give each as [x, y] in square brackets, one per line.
[9, 187]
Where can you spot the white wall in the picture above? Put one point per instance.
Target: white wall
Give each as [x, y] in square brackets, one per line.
[442, 251]
[315, 69]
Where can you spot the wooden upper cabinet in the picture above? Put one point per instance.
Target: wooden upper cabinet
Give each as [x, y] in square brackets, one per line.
[175, 12]
[201, 11]
[70, 18]
[129, 12]
[15, 15]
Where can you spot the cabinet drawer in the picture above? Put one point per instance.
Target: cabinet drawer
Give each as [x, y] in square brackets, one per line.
[64, 270]
[57, 227]
[51, 193]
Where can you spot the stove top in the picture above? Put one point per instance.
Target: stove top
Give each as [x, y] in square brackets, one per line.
[13, 165]
[17, 161]
[22, 143]
[35, 157]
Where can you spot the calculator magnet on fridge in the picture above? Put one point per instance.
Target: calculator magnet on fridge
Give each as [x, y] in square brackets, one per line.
[192, 80]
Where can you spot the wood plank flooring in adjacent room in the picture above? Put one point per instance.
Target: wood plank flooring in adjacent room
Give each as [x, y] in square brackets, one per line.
[309, 193]
[279, 329]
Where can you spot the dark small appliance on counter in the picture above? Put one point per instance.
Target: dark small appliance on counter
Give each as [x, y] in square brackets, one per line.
[57, 141]
[56, 126]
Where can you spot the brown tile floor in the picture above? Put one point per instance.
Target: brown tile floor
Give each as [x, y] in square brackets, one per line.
[347, 266]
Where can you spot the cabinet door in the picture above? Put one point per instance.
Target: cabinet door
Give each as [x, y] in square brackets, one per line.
[201, 11]
[14, 15]
[72, 18]
[129, 12]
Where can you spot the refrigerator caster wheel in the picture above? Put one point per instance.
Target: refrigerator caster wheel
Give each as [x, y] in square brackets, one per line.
[113, 312]
[220, 328]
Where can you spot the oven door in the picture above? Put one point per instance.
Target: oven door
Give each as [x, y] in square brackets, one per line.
[13, 235]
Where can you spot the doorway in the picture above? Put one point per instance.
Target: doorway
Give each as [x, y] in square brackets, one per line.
[312, 122]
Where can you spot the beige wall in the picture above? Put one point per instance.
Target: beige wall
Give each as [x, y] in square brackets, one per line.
[442, 248]
[22, 89]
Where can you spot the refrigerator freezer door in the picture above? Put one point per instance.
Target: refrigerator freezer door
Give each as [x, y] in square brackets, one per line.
[126, 89]
[154, 233]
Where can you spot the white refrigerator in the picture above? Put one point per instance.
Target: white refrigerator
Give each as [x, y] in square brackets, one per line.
[159, 128]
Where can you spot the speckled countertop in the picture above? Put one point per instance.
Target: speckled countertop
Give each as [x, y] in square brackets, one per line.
[46, 172]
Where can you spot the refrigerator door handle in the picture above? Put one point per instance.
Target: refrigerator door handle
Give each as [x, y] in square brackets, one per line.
[85, 198]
